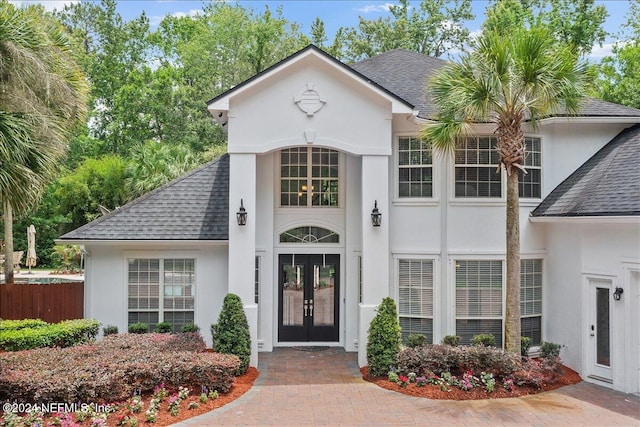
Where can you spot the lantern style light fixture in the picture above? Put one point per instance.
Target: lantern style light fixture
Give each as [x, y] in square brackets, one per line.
[242, 214]
[617, 294]
[376, 216]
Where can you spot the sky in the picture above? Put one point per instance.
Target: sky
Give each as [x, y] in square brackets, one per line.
[334, 13]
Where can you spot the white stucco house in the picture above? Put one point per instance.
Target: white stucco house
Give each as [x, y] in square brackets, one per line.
[315, 147]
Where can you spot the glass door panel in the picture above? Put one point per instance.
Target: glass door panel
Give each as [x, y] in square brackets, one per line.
[603, 348]
[293, 295]
[323, 295]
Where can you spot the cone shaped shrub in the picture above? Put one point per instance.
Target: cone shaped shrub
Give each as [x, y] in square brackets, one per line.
[231, 333]
[384, 339]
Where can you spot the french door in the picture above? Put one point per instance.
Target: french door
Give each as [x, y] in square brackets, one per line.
[309, 303]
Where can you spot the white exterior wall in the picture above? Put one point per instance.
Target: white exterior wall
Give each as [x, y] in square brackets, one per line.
[106, 281]
[578, 253]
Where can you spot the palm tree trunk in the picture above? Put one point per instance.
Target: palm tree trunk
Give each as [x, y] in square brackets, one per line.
[512, 321]
[8, 244]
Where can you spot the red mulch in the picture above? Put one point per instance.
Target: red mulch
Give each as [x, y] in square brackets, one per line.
[568, 377]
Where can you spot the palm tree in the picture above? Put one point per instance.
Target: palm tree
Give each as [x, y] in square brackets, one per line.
[506, 79]
[42, 97]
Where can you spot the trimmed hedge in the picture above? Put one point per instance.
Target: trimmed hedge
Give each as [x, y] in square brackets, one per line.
[64, 334]
[112, 369]
[384, 338]
[438, 358]
[11, 325]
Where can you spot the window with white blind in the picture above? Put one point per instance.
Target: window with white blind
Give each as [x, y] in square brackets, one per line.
[531, 299]
[161, 290]
[415, 297]
[415, 168]
[309, 177]
[478, 299]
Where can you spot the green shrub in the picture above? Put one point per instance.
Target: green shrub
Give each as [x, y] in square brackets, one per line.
[64, 334]
[109, 330]
[416, 340]
[525, 345]
[138, 328]
[163, 328]
[187, 341]
[452, 340]
[190, 327]
[440, 358]
[549, 350]
[384, 339]
[231, 333]
[487, 340]
[110, 370]
[10, 325]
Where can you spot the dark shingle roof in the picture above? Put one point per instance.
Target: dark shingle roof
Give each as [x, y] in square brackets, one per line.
[403, 73]
[192, 207]
[608, 184]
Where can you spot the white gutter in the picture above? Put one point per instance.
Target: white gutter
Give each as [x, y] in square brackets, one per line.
[105, 242]
[588, 219]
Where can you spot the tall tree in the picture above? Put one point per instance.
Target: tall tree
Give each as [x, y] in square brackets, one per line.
[42, 97]
[619, 79]
[433, 28]
[577, 23]
[507, 80]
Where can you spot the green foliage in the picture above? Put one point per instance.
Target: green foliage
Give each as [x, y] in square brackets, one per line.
[190, 327]
[231, 333]
[549, 350]
[138, 328]
[487, 340]
[432, 28]
[525, 345]
[95, 182]
[64, 334]
[452, 340]
[110, 370]
[416, 340]
[109, 330]
[384, 338]
[66, 258]
[14, 325]
[163, 328]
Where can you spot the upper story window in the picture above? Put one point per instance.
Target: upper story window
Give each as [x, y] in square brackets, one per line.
[476, 165]
[415, 168]
[531, 184]
[309, 177]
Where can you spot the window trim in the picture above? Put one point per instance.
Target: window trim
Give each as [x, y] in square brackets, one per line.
[495, 201]
[278, 179]
[160, 255]
[435, 171]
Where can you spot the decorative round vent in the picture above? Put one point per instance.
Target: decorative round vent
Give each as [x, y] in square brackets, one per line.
[309, 100]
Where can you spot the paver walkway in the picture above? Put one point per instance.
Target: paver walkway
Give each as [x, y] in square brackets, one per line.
[325, 388]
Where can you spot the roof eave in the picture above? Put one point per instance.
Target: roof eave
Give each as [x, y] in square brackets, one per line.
[149, 242]
[588, 219]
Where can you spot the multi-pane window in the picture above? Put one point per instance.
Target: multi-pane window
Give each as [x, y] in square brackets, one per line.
[477, 174]
[531, 299]
[308, 177]
[415, 297]
[530, 184]
[309, 234]
[476, 162]
[415, 168]
[161, 290]
[478, 299]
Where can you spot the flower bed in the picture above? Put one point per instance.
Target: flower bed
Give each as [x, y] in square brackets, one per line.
[113, 369]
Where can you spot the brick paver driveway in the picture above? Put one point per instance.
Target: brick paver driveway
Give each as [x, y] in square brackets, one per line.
[325, 388]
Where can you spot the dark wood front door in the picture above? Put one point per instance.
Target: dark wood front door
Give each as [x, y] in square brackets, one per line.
[309, 303]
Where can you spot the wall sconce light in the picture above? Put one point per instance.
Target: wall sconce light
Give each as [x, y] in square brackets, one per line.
[376, 216]
[617, 294]
[242, 214]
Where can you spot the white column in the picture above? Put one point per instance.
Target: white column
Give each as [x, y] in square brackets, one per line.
[242, 240]
[375, 244]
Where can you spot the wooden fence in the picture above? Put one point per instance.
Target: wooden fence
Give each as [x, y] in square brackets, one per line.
[49, 302]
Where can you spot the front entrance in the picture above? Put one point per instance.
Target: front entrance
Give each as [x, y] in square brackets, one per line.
[309, 303]
[599, 324]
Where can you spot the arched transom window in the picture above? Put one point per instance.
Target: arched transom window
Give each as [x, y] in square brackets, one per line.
[309, 234]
